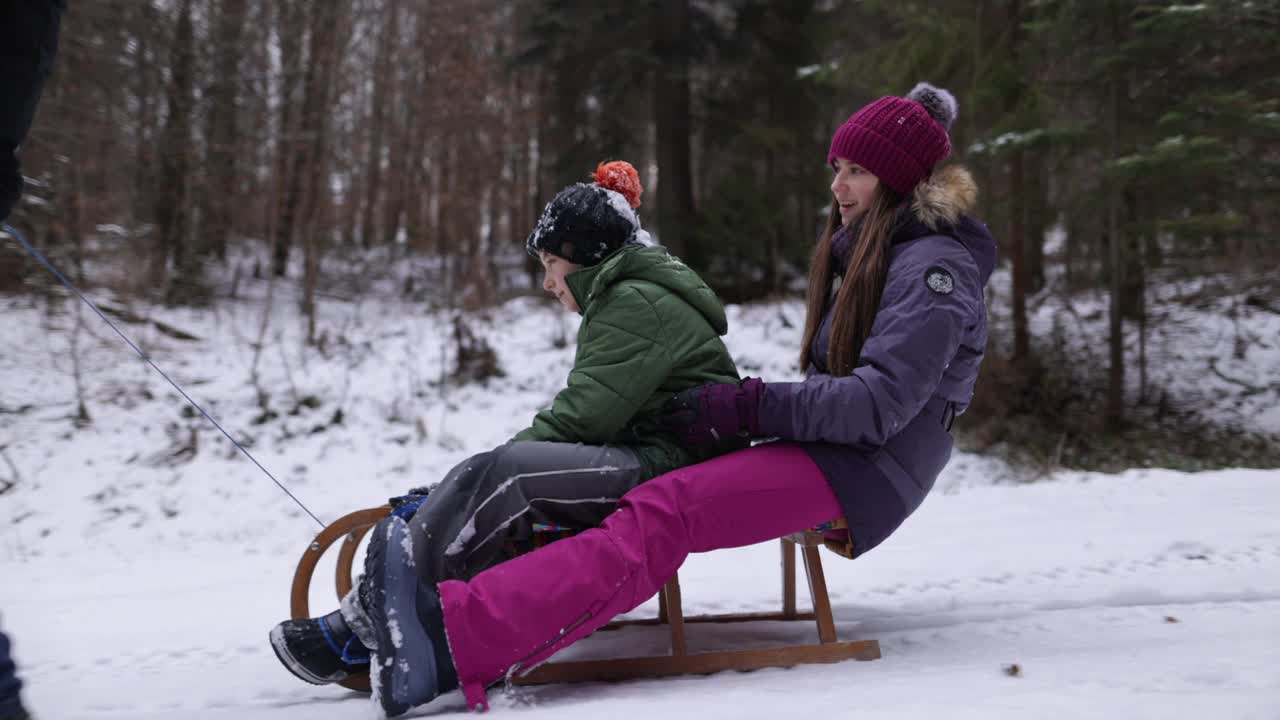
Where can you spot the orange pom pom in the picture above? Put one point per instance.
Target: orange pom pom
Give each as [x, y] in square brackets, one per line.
[621, 177]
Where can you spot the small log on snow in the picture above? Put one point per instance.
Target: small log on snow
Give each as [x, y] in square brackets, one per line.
[1250, 389]
[131, 317]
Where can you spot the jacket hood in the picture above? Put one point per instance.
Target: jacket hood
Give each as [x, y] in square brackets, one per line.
[939, 206]
[651, 264]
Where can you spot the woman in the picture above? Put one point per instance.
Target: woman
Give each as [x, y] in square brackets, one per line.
[893, 357]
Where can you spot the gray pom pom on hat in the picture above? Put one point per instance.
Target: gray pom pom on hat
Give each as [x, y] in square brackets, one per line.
[941, 104]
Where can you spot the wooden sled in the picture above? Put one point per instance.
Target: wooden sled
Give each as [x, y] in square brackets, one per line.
[351, 529]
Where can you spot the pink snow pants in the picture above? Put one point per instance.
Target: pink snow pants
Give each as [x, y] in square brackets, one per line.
[513, 616]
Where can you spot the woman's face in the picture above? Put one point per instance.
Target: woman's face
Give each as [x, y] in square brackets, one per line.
[554, 270]
[854, 188]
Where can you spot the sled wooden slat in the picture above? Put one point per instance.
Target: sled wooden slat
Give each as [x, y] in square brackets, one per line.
[818, 591]
[788, 579]
[698, 663]
[351, 529]
[763, 616]
[675, 616]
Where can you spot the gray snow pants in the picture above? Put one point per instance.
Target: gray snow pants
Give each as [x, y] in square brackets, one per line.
[495, 498]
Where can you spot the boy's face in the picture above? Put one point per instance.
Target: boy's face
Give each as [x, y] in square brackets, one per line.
[555, 268]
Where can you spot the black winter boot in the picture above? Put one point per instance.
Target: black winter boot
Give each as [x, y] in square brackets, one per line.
[319, 650]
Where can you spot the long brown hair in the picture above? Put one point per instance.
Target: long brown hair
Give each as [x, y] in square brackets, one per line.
[858, 298]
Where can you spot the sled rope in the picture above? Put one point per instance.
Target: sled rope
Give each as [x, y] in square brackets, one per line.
[36, 254]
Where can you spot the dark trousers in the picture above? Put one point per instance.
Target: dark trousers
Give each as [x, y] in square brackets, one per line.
[492, 501]
[9, 683]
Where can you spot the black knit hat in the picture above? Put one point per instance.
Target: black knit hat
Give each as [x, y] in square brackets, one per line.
[585, 223]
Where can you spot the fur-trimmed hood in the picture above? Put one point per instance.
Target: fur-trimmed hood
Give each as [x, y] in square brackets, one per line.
[939, 206]
[944, 197]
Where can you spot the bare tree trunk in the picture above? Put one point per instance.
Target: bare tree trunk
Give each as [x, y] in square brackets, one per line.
[289, 22]
[1017, 257]
[171, 196]
[221, 197]
[1135, 276]
[313, 158]
[1136, 285]
[971, 114]
[258, 131]
[1069, 243]
[1017, 205]
[442, 231]
[70, 178]
[1115, 376]
[542, 138]
[518, 219]
[81, 418]
[671, 104]
[145, 92]
[1142, 356]
[379, 101]
[771, 280]
[1037, 222]
[402, 161]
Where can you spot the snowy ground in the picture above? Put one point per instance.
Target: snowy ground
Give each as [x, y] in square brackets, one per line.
[1138, 596]
[143, 560]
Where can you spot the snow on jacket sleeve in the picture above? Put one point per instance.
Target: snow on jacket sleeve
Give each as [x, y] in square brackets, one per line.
[916, 333]
[621, 361]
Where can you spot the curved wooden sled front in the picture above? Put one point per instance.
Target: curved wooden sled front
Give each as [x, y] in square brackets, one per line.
[828, 649]
[352, 527]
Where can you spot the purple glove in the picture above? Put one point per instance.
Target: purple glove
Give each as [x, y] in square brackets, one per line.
[715, 413]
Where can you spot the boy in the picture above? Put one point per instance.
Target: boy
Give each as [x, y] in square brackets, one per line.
[650, 328]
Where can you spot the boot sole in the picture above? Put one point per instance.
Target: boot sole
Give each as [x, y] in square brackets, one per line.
[295, 667]
[405, 660]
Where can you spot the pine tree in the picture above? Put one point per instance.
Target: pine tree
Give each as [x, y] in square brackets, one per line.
[1174, 118]
[765, 101]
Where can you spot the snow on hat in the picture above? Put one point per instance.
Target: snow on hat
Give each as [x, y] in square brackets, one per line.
[899, 140]
[585, 223]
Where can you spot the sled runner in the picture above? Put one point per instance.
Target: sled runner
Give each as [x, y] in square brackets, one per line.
[351, 529]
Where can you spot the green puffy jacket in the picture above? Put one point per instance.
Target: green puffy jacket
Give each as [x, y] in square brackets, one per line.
[650, 328]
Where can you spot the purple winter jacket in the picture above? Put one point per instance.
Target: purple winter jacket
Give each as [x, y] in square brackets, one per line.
[881, 435]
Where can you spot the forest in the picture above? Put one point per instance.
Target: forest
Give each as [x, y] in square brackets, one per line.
[1127, 154]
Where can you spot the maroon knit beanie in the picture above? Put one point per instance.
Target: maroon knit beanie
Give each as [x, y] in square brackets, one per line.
[899, 140]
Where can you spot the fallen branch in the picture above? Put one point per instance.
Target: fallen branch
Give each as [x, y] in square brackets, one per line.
[1250, 389]
[6, 484]
[1256, 301]
[162, 327]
